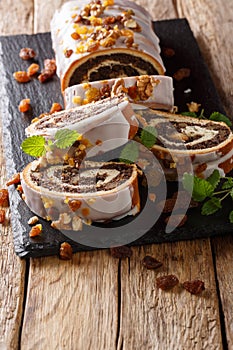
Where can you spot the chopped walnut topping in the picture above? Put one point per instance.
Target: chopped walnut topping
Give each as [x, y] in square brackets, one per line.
[66, 251]
[33, 220]
[68, 53]
[63, 222]
[193, 107]
[145, 87]
[77, 224]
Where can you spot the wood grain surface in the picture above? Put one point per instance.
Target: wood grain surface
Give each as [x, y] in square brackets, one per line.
[96, 301]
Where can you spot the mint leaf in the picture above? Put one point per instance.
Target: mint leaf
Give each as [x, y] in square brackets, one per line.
[148, 136]
[211, 206]
[214, 178]
[231, 217]
[219, 117]
[190, 114]
[130, 153]
[199, 188]
[65, 138]
[228, 183]
[34, 146]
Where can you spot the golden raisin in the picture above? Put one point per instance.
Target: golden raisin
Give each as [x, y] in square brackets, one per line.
[66, 251]
[24, 105]
[75, 36]
[26, 53]
[56, 107]
[4, 198]
[33, 69]
[21, 77]
[68, 53]
[35, 230]
[14, 180]
[2, 216]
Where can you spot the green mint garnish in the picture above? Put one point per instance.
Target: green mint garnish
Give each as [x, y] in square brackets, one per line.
[130, 153]
[34, 146]
[65, 138]
[148, 136]
[189, 114]
[200, 188]
[211, 206]
[211, 191]
[214, 178]
[219, 117]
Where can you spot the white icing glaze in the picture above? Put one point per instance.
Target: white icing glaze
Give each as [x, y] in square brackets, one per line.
[62, 27]
[162, 94]
[98, 206]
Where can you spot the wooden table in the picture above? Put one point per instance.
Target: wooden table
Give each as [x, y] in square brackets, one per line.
[95, 301]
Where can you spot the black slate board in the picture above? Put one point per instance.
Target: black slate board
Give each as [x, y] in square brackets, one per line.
[172, 33]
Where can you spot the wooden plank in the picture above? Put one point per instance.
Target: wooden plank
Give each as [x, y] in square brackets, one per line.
[223, 249]
[72, 304]
[154, 319]
[16, 17]
[213, 31]
[211, 22]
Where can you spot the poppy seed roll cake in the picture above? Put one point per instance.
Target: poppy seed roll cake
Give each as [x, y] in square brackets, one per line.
[95, 40]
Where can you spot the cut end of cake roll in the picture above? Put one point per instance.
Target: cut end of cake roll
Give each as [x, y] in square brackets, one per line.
[99, 122]
[204, 144]
[94, 192]
[154, 91]
[104, 40]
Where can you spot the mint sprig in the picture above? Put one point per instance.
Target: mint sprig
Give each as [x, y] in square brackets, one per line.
[36, 146]
[211, 191]
[219, 117]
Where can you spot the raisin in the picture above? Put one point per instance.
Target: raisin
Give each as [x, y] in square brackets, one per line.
[151, 263]
[48, 71]
[35, 230]
[181, 74]
[121, 252]
[33, 69]
[21, 77]
[24, 105]
[56, 107]
[2, 216]
[66, 251]
[167, 282]
[194, 287]
[68, 53]
[14, 180]
[27, 53]
[4, 198]
[168, 52]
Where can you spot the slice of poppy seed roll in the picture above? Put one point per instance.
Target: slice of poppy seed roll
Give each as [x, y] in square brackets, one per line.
[155, 91]
[101, 122]
[205, 144]
[94, 192]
